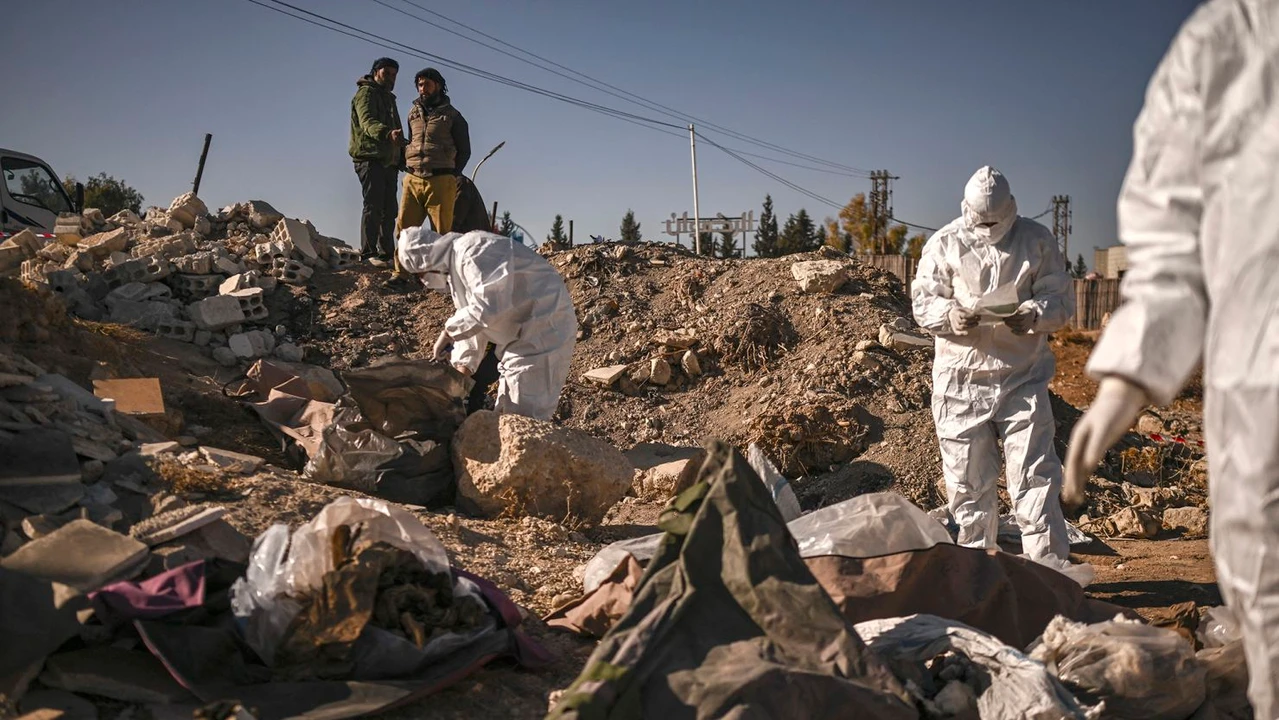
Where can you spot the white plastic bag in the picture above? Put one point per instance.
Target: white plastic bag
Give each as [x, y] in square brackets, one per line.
[778, 486]
[1139, 671]
[263, 599]
[1218, 627]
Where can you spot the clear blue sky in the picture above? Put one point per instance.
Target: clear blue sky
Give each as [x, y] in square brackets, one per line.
[930, 90]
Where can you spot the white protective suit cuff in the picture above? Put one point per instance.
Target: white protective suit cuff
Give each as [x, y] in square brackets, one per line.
[468, 353]
[463, 324]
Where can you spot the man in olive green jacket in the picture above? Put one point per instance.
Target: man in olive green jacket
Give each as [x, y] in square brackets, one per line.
[377, 148]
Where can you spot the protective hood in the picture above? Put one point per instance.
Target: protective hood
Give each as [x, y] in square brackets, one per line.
[422, 250]
[988, 198]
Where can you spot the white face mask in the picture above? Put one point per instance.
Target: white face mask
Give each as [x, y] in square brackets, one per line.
[986, 232]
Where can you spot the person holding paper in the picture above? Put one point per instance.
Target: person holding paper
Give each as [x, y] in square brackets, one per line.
[991, 285]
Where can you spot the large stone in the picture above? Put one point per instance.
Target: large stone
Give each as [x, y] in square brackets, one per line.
[1191, 521]
[103, 244]
[186, 209]
[125, 217]
[262, 215]
[518, 465]
[80, 554]
[819, 276]
[605, 376]
[659, 371]
[691, 366]
[216, 313]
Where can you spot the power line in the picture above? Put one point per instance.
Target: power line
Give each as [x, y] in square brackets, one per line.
[350, 30]
[769, 173]
[602, 86]
[929, 229]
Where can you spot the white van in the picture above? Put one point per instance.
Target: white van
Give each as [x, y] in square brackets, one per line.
[31, 196]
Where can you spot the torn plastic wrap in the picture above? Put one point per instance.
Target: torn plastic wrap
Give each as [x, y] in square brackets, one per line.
[283, 568]
[778, 486]
[1019, 687]
[1140, 672]
[349, 452]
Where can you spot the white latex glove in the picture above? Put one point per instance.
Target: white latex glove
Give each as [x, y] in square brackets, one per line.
[962, 320]
[442, 345]
[1022, 322]
[1112, 413]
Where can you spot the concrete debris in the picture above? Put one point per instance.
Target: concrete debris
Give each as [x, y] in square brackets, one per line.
[80, 554]
[659, 371]
[252, 344]
[232, 461]
[171, 525]
[293, 232]
[819, 276]
[38, 456]
[1189, 521]
[217, 313]
[605, 376]
[290, 352]
[186, 209]
[511, 463]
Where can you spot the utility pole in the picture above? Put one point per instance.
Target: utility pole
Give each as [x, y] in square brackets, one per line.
[199, 171]
[881, 206]
[570, 233]
[697, 209]
[1061, 224]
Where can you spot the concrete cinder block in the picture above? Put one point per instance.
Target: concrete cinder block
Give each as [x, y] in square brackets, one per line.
[197, 285]
[195, 264]
[293, 233]
[155, 269]
[216, 313]
[33, 271]
[124, 273]
[252, 303]
[63, 281]
[176, 330]
[341, 257]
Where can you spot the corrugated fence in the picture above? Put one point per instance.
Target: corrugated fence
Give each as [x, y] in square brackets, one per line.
[1093, 298]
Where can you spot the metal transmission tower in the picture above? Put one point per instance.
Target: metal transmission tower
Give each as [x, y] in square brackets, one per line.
[1061, 224]
[881, 206]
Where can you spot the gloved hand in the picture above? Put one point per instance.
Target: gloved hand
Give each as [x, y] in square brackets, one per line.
[962, 320]
[442, 345]
[1023, 321]
[1112, 413]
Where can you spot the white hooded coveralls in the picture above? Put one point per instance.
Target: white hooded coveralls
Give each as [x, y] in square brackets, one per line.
[989, 383]
[506, 294]
[1199, 214]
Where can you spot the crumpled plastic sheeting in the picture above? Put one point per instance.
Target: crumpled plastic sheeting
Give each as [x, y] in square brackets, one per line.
[777, 484]
[1140, 672]
[282, 567]
[868, 525]
[1020, 687]
[349, 452]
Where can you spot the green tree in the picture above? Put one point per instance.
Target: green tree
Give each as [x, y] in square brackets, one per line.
[506, 226]
[835, 237]
[557, 238]
[798, 234]
[106, 194]
[915, 245]
[706, 240]
[727, 245]
[819, 237]
[766, 238]
[630, 228]
[1081, 267]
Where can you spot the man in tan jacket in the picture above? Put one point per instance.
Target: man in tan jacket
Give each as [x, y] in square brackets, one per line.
[439, 146]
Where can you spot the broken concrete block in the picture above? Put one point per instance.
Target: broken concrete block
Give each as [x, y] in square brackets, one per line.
[103, 244]
[159, 448]
[659, 371]
[27, 241]
[252, 302]
[819, 276]
[239, 281]
[228, 266]
[39, 456]
[125, 217]
[232, 461]
[217, 312]
[605, 376]
[124, 273]
[132, 396]
[291, 272]
[63, 281]
[33, 271]
[80, 554]
[186, 208]
[134, 676]
[174, 524]
[67, 229]
[203, 226]
[197, 285]
[130, 292]
[11, 256]
[248, 345]
[293, 232]
[262, 215]
[154, 269]
[180, 330]
[511, 463]
[1190, 521]
[342, 256]
[200, 263]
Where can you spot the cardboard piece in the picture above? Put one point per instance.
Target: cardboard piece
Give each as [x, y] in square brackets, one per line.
[132, 396]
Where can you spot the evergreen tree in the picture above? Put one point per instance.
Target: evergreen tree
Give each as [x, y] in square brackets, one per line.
[630, 229]
[798, 234]
[507, 225]
[1081, 267]
[766, 238]
[727, 245]
[557, 238]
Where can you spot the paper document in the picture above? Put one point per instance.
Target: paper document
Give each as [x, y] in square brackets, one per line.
[997, 304]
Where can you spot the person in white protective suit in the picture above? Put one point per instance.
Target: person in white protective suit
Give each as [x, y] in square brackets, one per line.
[506, 294]
[991, 367]
[1199, 214]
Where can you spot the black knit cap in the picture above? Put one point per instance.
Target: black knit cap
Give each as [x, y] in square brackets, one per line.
[432, 74]
[385, 62]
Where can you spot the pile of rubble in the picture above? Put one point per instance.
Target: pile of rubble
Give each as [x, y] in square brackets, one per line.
[181, 273]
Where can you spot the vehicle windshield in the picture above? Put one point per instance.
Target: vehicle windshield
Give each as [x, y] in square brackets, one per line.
[32, 183]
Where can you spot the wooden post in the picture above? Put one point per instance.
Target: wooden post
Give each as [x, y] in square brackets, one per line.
[570, 233]
[199, 172]
[493, 217]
